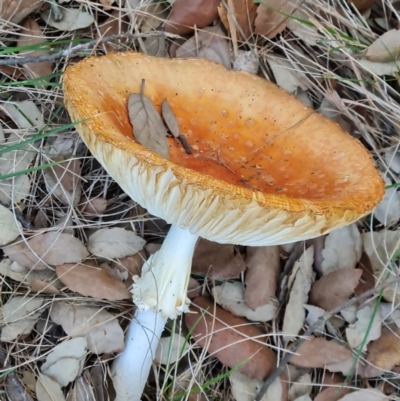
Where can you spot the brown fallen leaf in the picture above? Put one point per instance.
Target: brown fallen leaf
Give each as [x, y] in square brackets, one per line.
[263, 269]
[30, 35]
[148, 128]
[187, 14]
[367, 280]
[333, 387]
[244, 13]
[115, 24]
[362, 5]
[383, 353]
[92, 282]
[335, 288]
[43, 287]
[217, 261]
[272, 17]
[94, 207]
[229, 338]
[317, 352]
[16, 10]
[50, 248]
[132, 264]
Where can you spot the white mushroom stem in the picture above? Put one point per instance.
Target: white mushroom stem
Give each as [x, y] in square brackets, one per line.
[160, 293]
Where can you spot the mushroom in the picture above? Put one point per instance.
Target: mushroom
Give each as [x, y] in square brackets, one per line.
[264, 170]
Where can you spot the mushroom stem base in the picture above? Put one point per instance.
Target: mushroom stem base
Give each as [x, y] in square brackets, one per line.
[131, 369]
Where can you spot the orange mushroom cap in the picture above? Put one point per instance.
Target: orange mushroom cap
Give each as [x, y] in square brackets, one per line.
[264, 168]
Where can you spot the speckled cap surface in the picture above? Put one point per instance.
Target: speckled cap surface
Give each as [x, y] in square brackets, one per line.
[264, 169]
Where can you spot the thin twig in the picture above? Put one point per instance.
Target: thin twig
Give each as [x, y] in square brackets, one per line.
[322, 320]
[75, 49]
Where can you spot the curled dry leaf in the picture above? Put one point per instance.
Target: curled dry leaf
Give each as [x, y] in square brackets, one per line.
[92, 282]
[45, 249]
[342, 249]
[385, 48]
[19, 315]
[230, 339]
[210, 43]
[148, 128]
[99, 327]
[301, 277]
[64, 180]
[272, 16]
[317, 352]
[115, 242]
[186, 15]
[388, 209]
[217, 261]
[242, 15]
[380, 248]
[230, 297]
[64, 362]
[335, 288]
[73, 19]
[263, 270]
[171, 349]
[16, 10]
[245, 389]
[48, 389]
[10, 228]
[356, 333]
[31, 35]
[383, 353]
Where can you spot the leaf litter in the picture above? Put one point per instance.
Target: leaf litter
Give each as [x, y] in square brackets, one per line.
[304, 37]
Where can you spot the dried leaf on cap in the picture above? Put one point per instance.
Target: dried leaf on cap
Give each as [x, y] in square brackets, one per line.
[73, 19]
[92, 282]
[10, 228]
[50, 248]
[263, 270]
[99, 327]
[245, 389]
[187, 14]
[388, 209]
[64, 180]
[385, 48]
[381, 247]
[217, 261]
[230, 339]
[317, 352]
[19, 315]
[148, 128]
[16, 10]
[170, 119]
[371, 394]
[115, 242]
[302, 276]
[171, 349]
[342, 249]
[242, 15]
[31, 35]
[25, 114]
[272, 16]
[230, 297]
[64, 362]
[356, 333]
[209, 43]
[383, 353]
[48, 389]
[335, 288]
